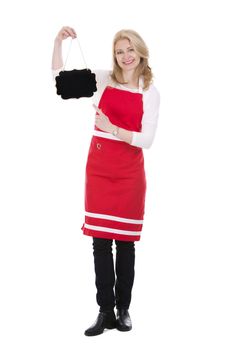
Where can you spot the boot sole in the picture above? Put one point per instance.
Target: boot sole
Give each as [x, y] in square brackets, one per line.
[93, 334]
[123, 329]
[108, 326]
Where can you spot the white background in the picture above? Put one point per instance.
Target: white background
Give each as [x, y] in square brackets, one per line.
[182, 297]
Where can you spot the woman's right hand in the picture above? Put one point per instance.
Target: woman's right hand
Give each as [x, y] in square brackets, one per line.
[65, 33]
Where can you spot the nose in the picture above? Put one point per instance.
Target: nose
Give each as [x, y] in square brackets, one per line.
[126, 56]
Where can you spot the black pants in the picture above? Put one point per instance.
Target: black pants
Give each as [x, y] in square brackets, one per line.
[113, 291]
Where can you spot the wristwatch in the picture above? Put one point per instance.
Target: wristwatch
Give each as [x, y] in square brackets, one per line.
[115, 131]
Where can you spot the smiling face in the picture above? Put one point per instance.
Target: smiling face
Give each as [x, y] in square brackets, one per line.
[126, 56]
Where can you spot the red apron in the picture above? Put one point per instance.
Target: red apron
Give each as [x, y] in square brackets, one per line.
[115, 178]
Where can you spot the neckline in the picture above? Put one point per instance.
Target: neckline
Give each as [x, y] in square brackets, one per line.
[137, 90]
[127, 88]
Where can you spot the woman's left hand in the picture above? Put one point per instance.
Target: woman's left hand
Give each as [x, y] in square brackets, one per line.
[102, 121]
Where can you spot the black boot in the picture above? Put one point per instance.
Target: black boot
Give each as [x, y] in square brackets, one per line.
[104, 320]
[123, 322]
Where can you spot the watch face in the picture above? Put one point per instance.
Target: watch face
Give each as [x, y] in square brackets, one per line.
[115, 132]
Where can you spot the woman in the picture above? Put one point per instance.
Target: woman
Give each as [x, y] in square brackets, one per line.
[125, 123]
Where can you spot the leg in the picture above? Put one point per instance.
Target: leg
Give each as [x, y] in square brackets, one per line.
[125, 260]
[105, 280]
[105, 275]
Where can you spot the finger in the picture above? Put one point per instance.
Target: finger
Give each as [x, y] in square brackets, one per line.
[98, 110]
[66, 34]
[72, 33]
[69, 32]
[97, 120]
[94, 105]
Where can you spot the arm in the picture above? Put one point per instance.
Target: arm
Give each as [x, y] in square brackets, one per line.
[151, 104]
[144, 138]
[57, 61]
[124, 135]
[103, 123]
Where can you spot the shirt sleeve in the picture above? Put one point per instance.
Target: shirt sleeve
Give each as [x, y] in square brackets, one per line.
[102, 80]
[151, 103]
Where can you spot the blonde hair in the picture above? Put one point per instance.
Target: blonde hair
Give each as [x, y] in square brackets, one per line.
[141, 49]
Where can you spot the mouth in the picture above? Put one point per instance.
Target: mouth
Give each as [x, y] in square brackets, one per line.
[128, 62]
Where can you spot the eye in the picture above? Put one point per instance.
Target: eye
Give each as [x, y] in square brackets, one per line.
[119, 52]
[131, 49]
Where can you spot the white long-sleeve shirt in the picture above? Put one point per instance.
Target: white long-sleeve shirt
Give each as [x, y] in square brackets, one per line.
[151, 102]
